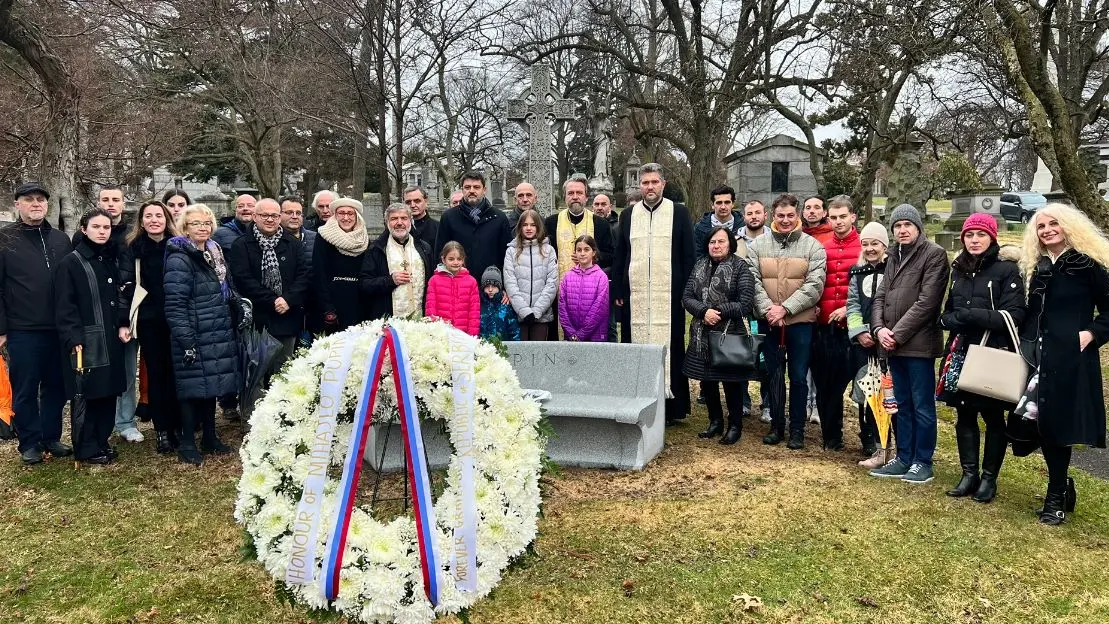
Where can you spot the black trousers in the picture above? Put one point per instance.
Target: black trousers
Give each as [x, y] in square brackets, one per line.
[831, 372]
[534, 331]
[197, 413]
[164, 410]
[1058, 462]
[100, 418]
[733, 396]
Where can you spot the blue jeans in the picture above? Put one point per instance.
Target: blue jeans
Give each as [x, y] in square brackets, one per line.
[914, 387]
[38, 394]
[798, 347]
[125, 404]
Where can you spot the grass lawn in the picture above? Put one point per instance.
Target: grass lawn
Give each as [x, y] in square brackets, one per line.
[807, 533]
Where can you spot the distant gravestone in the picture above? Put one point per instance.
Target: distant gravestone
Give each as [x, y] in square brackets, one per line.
[374, 213]
[537, 109]
[964, 204]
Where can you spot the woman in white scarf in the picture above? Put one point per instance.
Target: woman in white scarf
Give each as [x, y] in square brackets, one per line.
[337, 261]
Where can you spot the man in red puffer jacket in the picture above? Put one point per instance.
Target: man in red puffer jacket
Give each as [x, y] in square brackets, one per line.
[831, 348]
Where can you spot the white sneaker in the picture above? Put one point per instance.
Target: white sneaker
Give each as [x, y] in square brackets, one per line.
[765, 415]
[814, 415]
[131, 435]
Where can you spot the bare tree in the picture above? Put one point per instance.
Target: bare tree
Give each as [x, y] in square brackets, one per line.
[1056, 56]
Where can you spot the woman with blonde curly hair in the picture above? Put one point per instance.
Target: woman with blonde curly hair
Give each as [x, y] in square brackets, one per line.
[1064, 264]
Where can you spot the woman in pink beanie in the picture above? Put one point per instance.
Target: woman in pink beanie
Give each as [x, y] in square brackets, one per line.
[985, 280]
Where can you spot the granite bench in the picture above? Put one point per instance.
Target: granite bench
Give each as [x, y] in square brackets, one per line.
[606, 407]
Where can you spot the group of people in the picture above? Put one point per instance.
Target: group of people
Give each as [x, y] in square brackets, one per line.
[828, 297]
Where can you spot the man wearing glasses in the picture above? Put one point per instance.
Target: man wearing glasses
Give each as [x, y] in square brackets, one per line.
[269, 268]
[29, 250]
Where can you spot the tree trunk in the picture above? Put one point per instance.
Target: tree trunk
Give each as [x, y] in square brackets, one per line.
[358, 166]
[1053, 129]
[63, 136]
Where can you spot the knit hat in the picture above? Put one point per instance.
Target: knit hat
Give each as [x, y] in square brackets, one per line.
[492, 275]
[905, 212]
[875, 231]
[980, 221]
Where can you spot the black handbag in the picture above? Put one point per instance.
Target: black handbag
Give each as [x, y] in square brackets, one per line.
[94, 351]
[734, 352]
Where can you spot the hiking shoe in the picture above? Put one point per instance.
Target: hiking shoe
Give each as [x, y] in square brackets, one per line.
[31, 456]
[796, 441]
[131, 434]
[877, 460]
[772, 438]
[918, 474]
[57, 449]
[894, 469]
[765, 415]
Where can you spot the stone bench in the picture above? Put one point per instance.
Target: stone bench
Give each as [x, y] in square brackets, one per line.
[606, 409]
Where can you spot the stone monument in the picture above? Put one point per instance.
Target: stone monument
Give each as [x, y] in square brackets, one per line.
[965, 203]
[537, 109]
[601, 132]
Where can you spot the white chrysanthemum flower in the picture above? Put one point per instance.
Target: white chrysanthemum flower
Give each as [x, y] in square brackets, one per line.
[382, 579]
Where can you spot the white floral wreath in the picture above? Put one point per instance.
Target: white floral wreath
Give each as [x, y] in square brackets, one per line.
[381, 579]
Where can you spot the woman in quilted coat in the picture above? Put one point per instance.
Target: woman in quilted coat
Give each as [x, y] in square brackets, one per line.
[583, 296]
[720, 291]
[205, 352]
[531, 276]
[985, 281]
[452, 292]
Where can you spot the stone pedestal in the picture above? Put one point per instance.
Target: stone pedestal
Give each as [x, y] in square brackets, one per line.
[964, 204]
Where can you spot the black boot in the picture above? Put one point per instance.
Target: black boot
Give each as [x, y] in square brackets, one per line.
[164, 445]
[992, 455]
[1053, 513]
[186, 440]
[774, 437]
[715, 428]
[209, 443]
[870, 445]
[796, 440]
[1070, 497]
[735, 429]
[967, 440]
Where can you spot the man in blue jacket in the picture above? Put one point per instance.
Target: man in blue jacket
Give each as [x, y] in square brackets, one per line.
[29, 250]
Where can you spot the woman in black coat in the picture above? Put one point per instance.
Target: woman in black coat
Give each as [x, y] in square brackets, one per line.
[719, 292]
[76, 312]
[205, 351]
[146, 251]
[985, 280]
[341, 245]
[1065, 259]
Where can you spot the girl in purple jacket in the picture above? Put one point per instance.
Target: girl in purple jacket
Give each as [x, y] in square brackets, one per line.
[583, 295]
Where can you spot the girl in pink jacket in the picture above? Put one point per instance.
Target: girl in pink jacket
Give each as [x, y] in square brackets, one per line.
[583, 296]
[452, 292]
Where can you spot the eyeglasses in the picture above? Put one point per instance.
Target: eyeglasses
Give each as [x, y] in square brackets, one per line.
[197, 224]
[266, 217]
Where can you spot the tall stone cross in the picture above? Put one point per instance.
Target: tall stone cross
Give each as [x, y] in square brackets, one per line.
[539, 107]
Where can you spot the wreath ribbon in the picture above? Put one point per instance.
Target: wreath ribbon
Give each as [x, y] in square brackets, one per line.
[389, 344]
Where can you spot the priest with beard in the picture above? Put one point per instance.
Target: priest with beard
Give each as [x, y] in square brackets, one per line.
[565, 226]
[654, 257]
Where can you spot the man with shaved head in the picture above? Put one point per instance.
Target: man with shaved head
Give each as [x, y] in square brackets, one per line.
[269, 267]
[231, 228]
[525, 200]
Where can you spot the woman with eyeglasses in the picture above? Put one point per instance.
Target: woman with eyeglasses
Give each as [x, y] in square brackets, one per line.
[142, 266]
[205, 352]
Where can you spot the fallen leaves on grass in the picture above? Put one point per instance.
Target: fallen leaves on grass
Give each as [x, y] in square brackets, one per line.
[746, 603]
[867, 601]
[628, 586]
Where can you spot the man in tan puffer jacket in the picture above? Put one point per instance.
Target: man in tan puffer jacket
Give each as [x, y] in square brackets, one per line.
[789, 268]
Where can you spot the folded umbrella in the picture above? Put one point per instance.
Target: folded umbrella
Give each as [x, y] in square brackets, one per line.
[77, 407]
[257, 351]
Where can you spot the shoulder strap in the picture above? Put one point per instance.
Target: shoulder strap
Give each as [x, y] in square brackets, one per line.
[97, 313]
[138, 274]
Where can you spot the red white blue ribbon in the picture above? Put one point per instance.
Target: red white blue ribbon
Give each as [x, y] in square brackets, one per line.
[389, 343]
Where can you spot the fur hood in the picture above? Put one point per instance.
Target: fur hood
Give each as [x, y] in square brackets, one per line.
[1012, 253]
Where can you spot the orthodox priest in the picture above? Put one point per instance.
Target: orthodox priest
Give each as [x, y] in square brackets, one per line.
[654, 257]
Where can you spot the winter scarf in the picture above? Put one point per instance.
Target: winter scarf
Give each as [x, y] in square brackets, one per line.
[271, 272]
[713, 282]
[352, 243]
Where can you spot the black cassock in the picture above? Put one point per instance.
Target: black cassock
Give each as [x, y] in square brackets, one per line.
[681, 265]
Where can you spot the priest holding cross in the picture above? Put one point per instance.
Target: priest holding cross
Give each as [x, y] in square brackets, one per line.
[654, 257]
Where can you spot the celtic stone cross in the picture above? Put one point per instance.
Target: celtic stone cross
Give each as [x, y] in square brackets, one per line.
[537, 109]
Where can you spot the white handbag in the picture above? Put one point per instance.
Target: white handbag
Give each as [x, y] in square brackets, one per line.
[140, 295]
[996, 373]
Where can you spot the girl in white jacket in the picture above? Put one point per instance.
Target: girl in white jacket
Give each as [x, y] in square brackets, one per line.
[531, 276]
